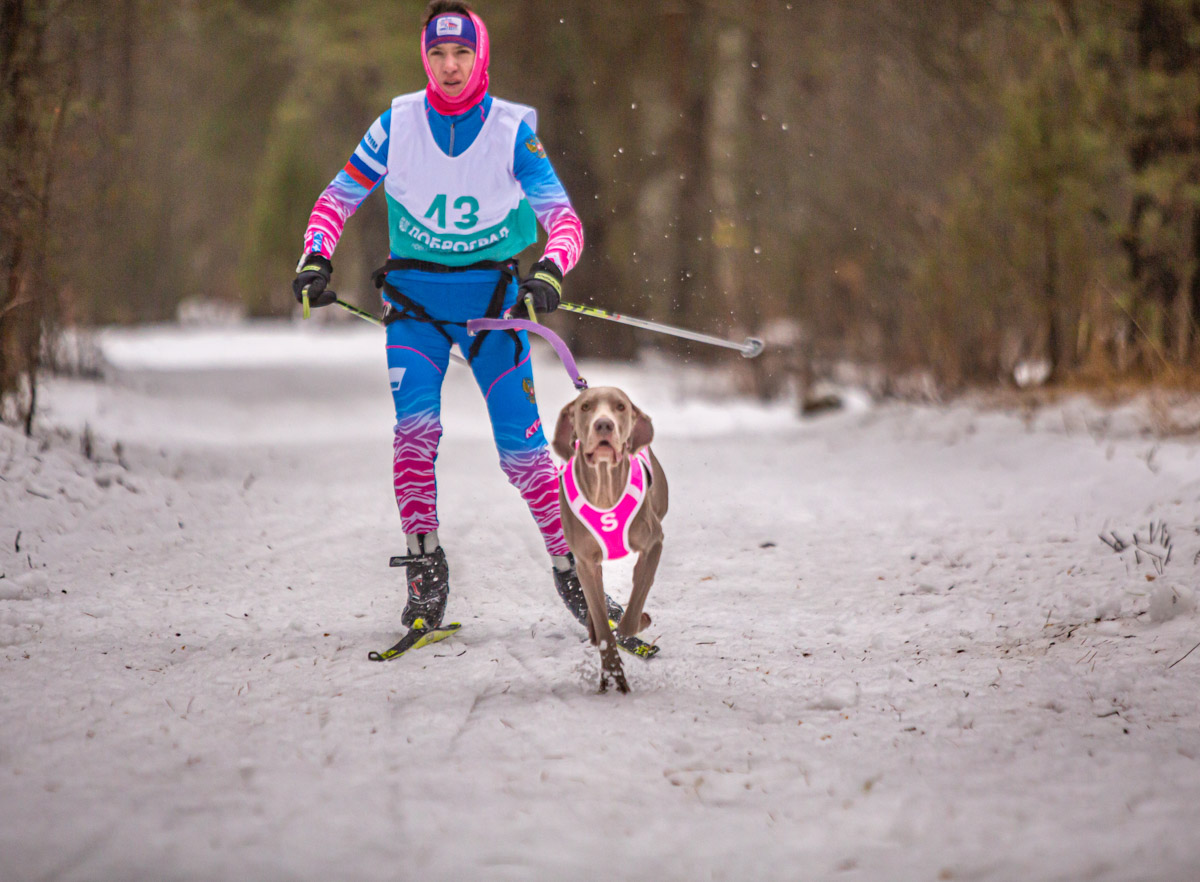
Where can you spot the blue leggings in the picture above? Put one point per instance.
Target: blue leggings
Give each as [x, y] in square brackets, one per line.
[418, 354]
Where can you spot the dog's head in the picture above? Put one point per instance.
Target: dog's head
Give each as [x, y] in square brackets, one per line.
[607, 425]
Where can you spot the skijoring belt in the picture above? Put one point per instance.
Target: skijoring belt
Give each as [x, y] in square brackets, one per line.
[401, 307]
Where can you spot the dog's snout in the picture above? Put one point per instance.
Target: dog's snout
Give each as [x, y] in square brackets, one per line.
[603, 426]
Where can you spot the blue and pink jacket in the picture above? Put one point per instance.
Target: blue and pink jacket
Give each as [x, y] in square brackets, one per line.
[368, 166]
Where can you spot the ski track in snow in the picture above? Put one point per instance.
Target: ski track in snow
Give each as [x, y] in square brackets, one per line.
[893, 645]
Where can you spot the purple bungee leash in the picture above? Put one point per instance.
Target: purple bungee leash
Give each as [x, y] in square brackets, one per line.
[474, 326]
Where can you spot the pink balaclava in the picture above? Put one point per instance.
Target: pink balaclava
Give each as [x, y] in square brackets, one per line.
[452, 27]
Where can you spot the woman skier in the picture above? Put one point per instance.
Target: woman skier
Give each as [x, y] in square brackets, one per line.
[466, 181]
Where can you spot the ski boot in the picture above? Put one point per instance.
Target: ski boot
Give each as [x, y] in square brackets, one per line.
[428, 582]
[571, 591]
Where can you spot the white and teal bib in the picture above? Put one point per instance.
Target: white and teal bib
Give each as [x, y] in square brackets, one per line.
[456, 210]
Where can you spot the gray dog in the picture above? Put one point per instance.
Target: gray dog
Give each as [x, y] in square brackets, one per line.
[613, 497]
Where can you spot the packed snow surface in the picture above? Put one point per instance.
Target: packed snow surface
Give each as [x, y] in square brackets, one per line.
[894, 645]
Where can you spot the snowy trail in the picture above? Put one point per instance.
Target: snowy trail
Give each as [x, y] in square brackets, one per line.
[881, 649]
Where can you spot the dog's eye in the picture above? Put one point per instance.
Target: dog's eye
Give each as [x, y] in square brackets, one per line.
[620, 407]
[585, 407]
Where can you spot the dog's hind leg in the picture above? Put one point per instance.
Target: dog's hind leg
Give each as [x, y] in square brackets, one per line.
[634, 619]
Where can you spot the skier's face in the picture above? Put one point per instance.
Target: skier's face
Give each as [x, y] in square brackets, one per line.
[451, 64]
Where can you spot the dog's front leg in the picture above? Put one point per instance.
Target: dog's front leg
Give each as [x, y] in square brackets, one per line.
[591, 577]
[634, 619]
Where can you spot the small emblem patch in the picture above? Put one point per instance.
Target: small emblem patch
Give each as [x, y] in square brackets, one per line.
[534, 146]
[450, 26]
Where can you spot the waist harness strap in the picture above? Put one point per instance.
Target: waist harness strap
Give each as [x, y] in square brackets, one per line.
[402, 307]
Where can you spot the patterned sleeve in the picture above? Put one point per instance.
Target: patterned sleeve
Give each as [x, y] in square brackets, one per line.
[548, 199]
[356, 180]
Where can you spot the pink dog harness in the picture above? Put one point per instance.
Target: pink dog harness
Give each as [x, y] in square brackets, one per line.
[610, 526]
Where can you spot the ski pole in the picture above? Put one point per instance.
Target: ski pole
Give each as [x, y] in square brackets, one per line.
[750, 348]
[361, 313]
[349, 307]
[366, 317]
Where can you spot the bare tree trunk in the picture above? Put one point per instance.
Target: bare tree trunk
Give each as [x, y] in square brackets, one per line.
[1159, 250]
[31, 124]
[687, 27]
[21, 39]
[1194, 283]
[726, 135]
[1050, 293]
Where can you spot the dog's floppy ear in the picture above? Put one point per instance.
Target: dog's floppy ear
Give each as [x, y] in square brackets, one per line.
[643, 430]
[564, 432]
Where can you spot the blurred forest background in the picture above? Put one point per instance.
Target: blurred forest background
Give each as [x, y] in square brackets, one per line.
[939, 188]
